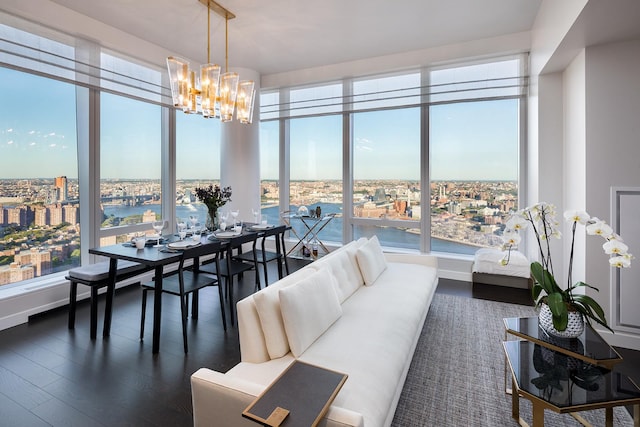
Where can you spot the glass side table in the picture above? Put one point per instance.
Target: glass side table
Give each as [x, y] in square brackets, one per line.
[552, 380]
[590, 347]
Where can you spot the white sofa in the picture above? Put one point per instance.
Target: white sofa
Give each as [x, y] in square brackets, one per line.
[356, 311]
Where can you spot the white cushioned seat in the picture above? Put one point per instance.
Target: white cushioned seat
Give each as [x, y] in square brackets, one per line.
[100, 270]
[487, 260]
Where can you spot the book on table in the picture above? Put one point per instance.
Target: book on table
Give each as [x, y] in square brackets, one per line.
[300, 396]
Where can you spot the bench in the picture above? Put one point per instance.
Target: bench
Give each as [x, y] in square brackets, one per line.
[487, 269]
[96, 276]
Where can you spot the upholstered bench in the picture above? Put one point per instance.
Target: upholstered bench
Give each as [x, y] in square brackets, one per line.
[487, 269]
[96, 276]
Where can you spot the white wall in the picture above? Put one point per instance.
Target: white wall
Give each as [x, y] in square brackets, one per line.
[574, 153]
[612, 152]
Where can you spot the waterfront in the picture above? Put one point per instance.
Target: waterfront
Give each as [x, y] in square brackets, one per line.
[389, 236]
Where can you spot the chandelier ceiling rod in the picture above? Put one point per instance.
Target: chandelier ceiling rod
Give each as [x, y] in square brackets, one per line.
[218, 8]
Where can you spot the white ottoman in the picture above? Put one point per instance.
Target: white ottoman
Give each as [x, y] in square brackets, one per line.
[488, 270]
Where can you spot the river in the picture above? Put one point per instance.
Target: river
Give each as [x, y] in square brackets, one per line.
[388, 236]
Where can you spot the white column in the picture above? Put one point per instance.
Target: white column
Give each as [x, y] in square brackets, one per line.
[240, 157]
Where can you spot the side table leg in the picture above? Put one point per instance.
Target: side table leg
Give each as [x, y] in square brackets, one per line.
[515, 401]
[636, 415]
[608, 417]
[538, 415]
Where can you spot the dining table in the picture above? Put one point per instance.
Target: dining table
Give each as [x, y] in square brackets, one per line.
[155, 256]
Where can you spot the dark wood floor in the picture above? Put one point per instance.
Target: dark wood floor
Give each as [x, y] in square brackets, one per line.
[50, 375]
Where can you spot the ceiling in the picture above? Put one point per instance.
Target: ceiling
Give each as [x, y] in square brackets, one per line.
[274, 36]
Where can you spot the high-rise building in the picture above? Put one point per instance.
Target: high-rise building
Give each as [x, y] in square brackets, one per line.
[18, 215]
[70, 214]
[42, 216]
[55, 214]
[61, 188]
[15, 273]
[39, 259]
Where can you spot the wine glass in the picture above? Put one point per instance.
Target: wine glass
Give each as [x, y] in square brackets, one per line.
[182, 230]
[224, 216]
[158, 225]
[256, 213]
[235, 214]
[193, 219]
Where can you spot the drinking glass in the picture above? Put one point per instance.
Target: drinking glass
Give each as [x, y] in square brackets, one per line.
[256, 213]
[235, 214]
[158, 225]
[182, 230]
[224, 216]
[193, 219]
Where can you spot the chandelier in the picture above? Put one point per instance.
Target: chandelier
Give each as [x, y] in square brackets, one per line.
[211, 94]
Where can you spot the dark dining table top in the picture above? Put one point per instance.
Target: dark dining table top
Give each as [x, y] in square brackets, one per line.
[152, 255]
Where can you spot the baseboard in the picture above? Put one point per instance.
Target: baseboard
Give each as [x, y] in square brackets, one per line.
[454, 275]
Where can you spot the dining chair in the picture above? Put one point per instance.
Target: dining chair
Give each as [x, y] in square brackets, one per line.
[264, 256]
[188, 280]
[229, 267]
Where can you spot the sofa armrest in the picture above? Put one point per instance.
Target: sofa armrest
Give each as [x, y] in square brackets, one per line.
[219, 399]
[422, 259]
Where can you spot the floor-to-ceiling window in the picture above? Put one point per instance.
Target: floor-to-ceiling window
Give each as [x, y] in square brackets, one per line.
[474, 173]
[386, 176]
[39, 198]
[197, 163]
[269, 171]
[432, 156]
[474, 142]
[130, 165]
[315, 178]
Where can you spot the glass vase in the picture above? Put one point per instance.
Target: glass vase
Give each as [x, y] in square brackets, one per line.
[212, 220]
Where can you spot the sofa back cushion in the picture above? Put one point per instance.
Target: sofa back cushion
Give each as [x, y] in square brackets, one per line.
[267, 303]
[344, 267]
[308, 309]
[371, 260]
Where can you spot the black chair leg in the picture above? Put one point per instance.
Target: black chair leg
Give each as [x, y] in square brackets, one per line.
[286, 264]
[94, 311]
[73, 289]
[230, 288]
[143, 314]
[266, 275]
[194, 305]
[183, 311]
[224, 317]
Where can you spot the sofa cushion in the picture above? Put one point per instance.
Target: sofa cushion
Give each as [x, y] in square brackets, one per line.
[267, 304]
[343, 265]
[371, 260]
[308, 309]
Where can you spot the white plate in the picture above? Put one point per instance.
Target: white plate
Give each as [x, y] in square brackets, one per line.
[262, 227]
[182, 244]
[226, 234]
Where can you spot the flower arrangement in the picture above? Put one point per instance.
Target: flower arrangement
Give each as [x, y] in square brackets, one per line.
[542, 219]
[213, 196]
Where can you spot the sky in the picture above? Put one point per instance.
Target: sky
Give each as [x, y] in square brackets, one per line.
[475, 140]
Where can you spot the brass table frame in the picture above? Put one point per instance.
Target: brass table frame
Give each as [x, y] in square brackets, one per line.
[538, 405]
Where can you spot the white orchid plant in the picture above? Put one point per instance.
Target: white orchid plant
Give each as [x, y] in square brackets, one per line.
[542, 219]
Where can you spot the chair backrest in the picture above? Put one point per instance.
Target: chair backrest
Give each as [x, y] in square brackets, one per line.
[278, 232]
[238, 241]
[195, 252]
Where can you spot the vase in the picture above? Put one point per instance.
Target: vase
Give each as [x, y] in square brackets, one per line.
[211, 222]
[575, 325]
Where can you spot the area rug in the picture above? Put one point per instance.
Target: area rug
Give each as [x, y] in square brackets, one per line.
[457, 374]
